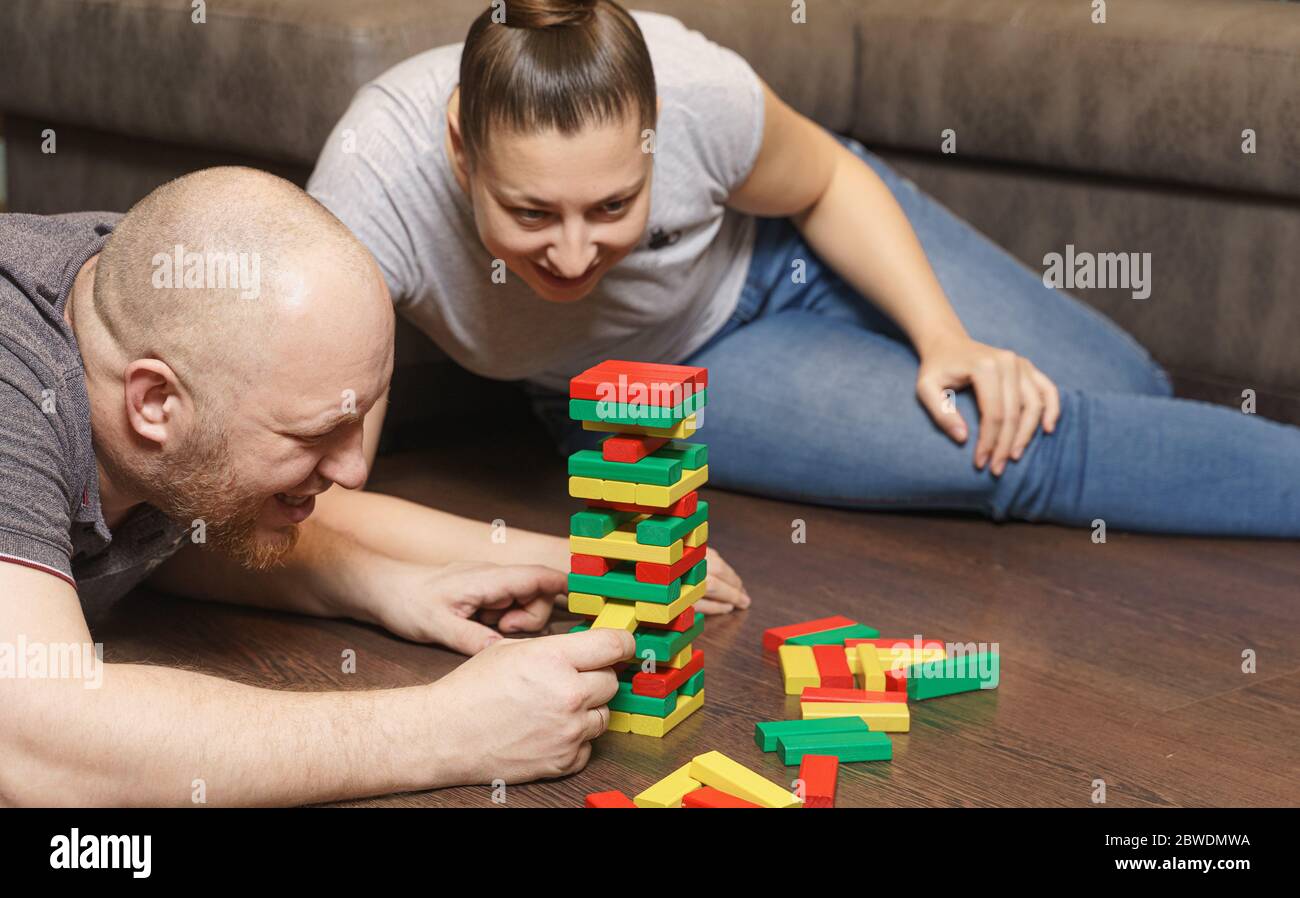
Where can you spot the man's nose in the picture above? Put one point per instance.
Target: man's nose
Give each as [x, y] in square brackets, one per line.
[345, 464]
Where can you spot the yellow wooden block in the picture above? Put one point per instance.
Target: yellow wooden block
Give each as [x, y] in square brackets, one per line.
[884, 717]
[871, 674]
[616, 616]
[624, 547]
[620, 722]
[662, 496]
[680, 431]
[891, 659]
[649, 725]
[798, 668]
[699, 536]
[586, 487]
[654, 613]
[719, 771]
[586, 603]
[617, 491]
[668, 792]
[682, 658]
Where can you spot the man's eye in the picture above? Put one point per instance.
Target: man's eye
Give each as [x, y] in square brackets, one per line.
[614, 207]
[530, 216]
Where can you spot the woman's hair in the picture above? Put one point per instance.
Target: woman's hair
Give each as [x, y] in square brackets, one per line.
[537, 65]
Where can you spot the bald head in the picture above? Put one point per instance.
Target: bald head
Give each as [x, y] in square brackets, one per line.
[214, 271]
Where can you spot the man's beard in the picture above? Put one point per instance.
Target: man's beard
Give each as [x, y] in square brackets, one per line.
[197, 486]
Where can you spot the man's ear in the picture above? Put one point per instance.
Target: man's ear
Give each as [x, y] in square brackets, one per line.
[154, 400]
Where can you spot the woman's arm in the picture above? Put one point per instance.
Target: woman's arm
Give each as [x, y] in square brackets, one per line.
[848, 215]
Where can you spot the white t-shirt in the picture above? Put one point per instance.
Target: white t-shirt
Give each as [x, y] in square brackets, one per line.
[397, 192]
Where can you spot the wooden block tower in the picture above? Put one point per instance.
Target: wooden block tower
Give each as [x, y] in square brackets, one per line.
[638, 547]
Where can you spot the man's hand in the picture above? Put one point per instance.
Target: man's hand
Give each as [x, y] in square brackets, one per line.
[438, 603]
[1014, 397]
[526, 709]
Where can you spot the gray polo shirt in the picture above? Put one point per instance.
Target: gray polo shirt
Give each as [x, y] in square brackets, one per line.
[50, 516]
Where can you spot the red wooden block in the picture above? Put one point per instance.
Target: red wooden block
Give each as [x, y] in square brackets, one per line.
[649, 572]
[665, 679]
[614, 799]
[819, 773]
[681, 623]
[603, 381]
[630, 448]
[683, 508]
[896, 681]
[773, 638]
[832, 666]
[709, 797]
[591, 565]
[824, 694]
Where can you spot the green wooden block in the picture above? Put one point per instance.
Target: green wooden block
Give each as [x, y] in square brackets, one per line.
[663, 530]
[598, 523]
[836, 636]
[768, 731]
[854, 746]
[694, 684]
[627, 701]
[661, 644]
[653, 470]
[633, 413]
[623, 584]
[691, 455]
[697, 573]
[949, 676]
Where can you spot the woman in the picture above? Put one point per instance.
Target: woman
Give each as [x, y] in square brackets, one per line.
[577, 183]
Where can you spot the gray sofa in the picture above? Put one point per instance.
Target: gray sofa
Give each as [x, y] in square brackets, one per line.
[1118, 136]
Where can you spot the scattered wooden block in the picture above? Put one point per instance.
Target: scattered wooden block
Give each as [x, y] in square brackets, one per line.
[775, 636]
[668, 792]
[709, 797]
[798, 668]
[767, 732]
[717, 770]
[882, 717]
[819, 773]
[613, 799]
[862, 745]
[832, 668]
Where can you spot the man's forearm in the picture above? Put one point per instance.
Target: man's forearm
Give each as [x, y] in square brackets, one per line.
[413, 532]
[158, 736]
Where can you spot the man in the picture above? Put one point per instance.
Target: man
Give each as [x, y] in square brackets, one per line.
[193, 375]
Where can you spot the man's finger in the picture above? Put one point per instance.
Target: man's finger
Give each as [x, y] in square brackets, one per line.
[600, 686]
[465, 636]
[528, 619]
[1030, 415]
[594, 649]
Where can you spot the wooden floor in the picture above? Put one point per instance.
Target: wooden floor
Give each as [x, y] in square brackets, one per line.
[1120, 662]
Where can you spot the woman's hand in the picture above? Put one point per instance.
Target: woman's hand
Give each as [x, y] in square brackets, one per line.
[1013, 396]
[724, 591]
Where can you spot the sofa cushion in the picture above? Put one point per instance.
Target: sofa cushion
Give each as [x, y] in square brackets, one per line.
[1163, 89]
[271, 77]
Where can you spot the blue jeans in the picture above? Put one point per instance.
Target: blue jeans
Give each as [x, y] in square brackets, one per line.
[813, 399]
